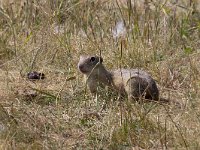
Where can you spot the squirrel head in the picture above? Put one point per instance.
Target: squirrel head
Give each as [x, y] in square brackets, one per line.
[87, 64]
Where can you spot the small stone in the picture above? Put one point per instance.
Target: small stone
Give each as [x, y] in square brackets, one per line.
[35, 75]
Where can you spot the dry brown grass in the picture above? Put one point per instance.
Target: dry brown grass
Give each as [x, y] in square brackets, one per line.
[58, 113]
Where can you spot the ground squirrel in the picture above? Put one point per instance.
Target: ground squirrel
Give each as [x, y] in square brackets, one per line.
[133, 82]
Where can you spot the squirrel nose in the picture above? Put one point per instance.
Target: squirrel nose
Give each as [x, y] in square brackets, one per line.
[80, 67]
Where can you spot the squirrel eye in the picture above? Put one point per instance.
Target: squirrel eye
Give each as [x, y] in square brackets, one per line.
[92, 59]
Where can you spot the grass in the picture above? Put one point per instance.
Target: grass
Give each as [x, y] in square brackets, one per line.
[59, 113]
